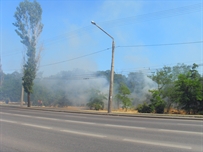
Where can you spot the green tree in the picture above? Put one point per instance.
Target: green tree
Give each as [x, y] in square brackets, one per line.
[145, 108]
[123, 92]
[96, 100]
[165, 79]
[189, 91]
[11, 88]
[157, 103]
[28, 23]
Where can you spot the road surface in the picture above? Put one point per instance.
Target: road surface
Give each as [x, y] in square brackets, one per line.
[24, 130]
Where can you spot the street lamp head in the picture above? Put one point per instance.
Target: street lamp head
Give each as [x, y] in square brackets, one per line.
[93, 22]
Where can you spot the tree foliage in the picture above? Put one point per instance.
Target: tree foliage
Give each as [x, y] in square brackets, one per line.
[157, 103]
[165, 78]
[28, 23]
[189, 90]
[11, 87]
[123, 92]
[145, 108]
[96, 100]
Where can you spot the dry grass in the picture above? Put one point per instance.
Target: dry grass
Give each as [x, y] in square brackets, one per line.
[120, 110]
[124, 111]
[175, 111]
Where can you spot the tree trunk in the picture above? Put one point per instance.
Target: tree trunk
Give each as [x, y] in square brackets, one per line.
[169, 107]
[28, 99]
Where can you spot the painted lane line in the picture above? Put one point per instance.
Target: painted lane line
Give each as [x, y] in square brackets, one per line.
[106, 125]
[8, 121]
[157, 144]
[81, 122]
[15, 114]
[120, 126]
[179, 131]
[21, 115]
[200, 125]
[77, 116]
[46, 118]
[82, 133]
[37, 126]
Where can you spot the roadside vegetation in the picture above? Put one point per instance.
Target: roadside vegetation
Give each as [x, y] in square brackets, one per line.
[179, 87]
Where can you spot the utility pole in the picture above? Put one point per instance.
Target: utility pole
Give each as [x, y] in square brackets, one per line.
[111, 80]
[110, 99]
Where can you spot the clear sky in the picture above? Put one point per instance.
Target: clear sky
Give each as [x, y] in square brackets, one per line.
[68, 34]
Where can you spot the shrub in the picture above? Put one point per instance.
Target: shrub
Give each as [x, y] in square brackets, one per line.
[96, 104]
[96, 100]
[145, 108]
[159, 107]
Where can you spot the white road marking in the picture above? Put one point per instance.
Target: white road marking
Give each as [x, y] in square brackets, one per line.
[82, 122]
[8, 121]
[77, 116]
[179, 131]
[21, 115]
[14, 114]
[37, 126]
[106, 125]
[200, 125]
[157, 144]
[82, 133]
[46, 118]
[120, 126]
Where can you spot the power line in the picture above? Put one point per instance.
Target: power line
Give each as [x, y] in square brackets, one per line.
[75, 58]
[136, 19]
[123, 46]
[149, 69]
[158, 66]
[163, 44]
[156, 15]
[147, 45]
[95, 76]
[181, 43]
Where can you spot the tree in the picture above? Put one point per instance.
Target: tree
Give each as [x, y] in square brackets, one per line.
[29, 27]
[10, 89]
[157, 103]
[165, 79]
[123, 92]
[96, 100]
[189, 90]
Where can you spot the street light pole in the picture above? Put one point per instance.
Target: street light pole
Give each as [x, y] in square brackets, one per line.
[110, 99]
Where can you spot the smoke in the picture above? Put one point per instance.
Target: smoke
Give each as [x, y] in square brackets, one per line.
[76, 85]
[140, 84]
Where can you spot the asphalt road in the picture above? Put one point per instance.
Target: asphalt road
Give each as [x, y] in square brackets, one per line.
[24, 130]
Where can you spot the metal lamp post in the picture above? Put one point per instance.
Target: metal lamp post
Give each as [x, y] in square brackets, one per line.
[112, 70]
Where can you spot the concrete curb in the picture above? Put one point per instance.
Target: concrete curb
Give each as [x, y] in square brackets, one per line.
[144, 115]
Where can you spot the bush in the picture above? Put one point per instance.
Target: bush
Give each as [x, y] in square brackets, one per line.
[62, 102]
[159, 107]
[145, 108]
[96, 104]
[96, 100]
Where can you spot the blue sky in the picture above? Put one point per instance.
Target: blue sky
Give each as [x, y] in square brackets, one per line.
[68, 34]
